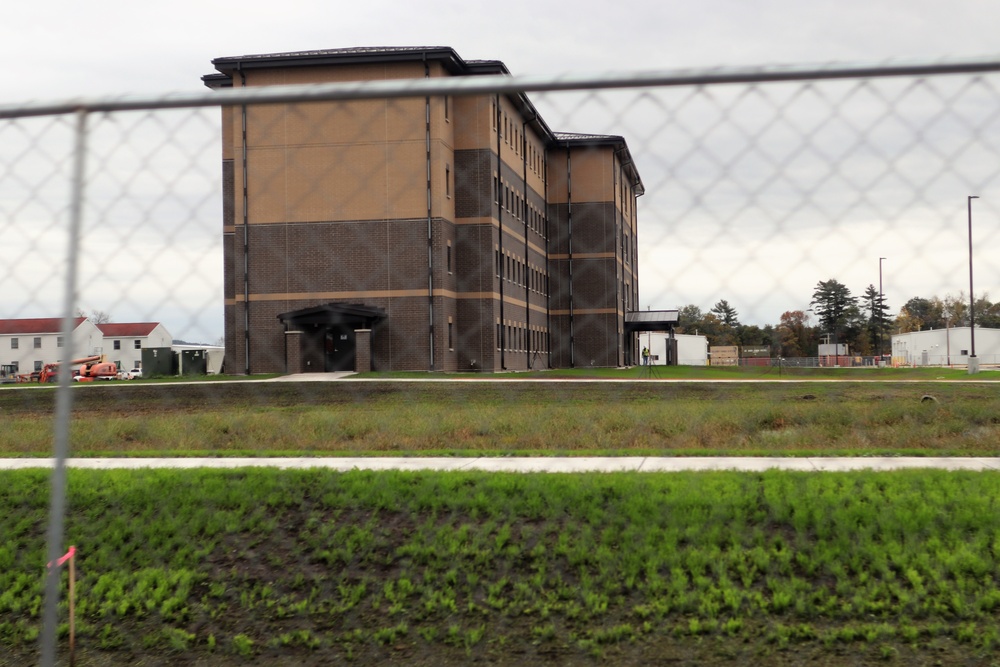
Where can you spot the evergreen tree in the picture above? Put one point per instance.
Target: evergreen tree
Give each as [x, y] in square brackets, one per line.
[834, 306]
[726, 313]
[878, 319]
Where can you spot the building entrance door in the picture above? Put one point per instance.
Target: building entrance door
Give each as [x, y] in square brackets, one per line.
[340, 349]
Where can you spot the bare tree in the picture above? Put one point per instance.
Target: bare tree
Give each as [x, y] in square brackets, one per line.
[97, 317]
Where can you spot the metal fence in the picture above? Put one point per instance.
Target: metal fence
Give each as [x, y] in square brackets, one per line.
[759, 182]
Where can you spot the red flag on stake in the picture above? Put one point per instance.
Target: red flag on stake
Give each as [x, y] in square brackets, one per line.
[61, 561]
[71, 557]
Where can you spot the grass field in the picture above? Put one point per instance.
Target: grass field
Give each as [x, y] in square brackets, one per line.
[269, 567]
[314, 567]
[513, 417]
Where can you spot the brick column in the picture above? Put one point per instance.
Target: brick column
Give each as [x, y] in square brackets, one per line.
[293, 352]
[362, 350]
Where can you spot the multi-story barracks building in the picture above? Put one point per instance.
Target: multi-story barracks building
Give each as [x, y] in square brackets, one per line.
[430, 233]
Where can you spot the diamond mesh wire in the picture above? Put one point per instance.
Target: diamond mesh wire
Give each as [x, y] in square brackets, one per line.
[755, 190]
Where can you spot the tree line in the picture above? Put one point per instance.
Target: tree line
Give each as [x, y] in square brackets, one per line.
[864, 323]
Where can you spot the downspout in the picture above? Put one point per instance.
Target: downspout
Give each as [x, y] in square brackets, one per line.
[246, 232]
[620, 287]
[500, 258]
[430, 232]
[569, 237]
[527, 278]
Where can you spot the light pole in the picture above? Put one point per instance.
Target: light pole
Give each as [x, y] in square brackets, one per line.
[973, 361]
[881, 326]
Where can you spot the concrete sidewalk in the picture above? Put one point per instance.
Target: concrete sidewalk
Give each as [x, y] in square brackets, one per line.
[532, 464]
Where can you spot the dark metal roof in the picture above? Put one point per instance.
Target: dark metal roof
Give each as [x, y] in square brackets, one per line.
[344, 51]
[651, 320]
[334, 313]
[576, 136]
[353, 55]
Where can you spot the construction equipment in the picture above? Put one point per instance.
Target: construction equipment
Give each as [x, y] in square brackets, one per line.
[91, 368]
[8, 373]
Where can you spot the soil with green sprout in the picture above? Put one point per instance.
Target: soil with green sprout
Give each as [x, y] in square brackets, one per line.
[258, 566]
[268, 567]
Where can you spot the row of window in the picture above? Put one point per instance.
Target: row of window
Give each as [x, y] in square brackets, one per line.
[15, 343]
[514, 138]
[513, 202]
[520, 273]
[518, 338]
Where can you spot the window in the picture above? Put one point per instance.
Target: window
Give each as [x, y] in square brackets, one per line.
[38, 342]
[59, 341]
[498, 336]
[446, 107]
[15, 366]
[447, 181]
[449, 257]
[38, 365]
[451, 340]
[117, 345]
[138, 344]
[13, 343]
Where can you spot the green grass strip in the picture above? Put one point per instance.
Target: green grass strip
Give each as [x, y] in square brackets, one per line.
[496, 418]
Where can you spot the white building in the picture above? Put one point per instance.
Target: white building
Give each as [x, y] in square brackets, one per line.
[124, 341]
[692, 350]
[29, 344]
[945, 347]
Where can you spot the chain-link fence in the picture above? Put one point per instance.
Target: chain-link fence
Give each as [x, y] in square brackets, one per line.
[489, 223]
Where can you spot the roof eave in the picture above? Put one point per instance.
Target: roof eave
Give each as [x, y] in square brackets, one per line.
[443, 54]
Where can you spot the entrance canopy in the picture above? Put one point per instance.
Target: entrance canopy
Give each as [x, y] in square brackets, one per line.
[351, 315]
[651, 320]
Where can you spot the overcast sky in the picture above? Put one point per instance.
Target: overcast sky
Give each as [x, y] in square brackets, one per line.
[65, 49]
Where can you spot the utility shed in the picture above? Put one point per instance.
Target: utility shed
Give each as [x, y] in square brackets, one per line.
[692, 349]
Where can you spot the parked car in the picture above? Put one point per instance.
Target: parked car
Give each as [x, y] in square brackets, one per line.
[135, 374]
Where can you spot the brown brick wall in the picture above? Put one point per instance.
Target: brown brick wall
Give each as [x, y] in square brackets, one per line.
[294, 362]
[363, 350]
[474, 183]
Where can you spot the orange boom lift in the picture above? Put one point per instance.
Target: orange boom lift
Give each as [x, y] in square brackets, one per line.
[91, 368]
